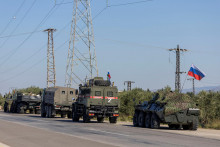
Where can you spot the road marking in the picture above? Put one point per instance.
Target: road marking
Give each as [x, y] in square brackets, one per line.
[3, 145]
[52, 131]
[91, 129]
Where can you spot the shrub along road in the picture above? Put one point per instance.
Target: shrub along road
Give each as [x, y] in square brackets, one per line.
[32, 130]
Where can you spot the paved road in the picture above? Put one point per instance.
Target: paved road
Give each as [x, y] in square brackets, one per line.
[32, 130]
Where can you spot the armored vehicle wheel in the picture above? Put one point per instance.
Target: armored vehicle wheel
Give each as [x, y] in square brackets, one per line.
[155, 122]
[185, 127]
[148, 120]
[135, 119]
[141, 119]
[100, 119]
[171, 126]
[194, 124]
[113, 120]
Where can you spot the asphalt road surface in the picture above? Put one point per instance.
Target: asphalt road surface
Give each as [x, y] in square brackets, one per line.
[20, 130]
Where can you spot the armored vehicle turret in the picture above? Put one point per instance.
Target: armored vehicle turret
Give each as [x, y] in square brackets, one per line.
[57, 100]
[97, 98]
[176, 110]
[21, 102]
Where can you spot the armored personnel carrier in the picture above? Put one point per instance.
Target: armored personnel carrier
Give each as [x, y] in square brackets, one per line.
[97, 98]
[57, 100]
[21, 102]
[176, 110]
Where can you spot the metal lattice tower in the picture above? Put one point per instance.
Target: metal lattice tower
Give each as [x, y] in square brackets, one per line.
[177, 73]
[128, 85]
[193, 85]
[81, 60]
[51, 72]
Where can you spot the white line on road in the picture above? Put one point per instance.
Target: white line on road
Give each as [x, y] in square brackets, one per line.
[3, 145]
[91, 129]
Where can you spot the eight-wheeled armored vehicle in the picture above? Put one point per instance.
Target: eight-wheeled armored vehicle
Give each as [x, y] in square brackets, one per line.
[177, 112]
[97, 98]
[21, 102]
[57, 100]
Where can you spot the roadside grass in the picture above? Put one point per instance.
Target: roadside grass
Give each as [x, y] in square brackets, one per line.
[214, 125]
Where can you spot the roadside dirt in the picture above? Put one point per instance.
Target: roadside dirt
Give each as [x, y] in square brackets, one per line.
[206, 133]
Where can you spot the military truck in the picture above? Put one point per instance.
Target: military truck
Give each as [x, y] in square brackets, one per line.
[21, 102]
[57, 100]
[97, 98]
[177, 112]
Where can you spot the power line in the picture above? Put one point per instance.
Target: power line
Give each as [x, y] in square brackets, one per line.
[26, 13]
[31, 67]
[129, 3]
[51, 11]
[20, 34]
[30, 57]
[16, 12]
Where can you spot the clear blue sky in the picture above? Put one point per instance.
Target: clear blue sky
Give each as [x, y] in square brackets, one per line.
[131, 41]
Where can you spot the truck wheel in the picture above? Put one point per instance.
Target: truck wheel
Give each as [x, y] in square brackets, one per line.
[48, 111]
[75, 116]
[100, 119]
[86, 118]
[155, 123]
[141, 119]
[194, 124]
[63, 115]
[148, 120]
[43, 113]
[69, 115]
[20, 109]
[113, 120]
[6, 107]
[135, 119]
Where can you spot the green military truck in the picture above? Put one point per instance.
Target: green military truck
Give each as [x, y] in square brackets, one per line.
[57, 100]
[21, 102]
[177, 111]
[97, 98]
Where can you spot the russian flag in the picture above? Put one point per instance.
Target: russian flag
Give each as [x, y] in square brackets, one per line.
[196, 73]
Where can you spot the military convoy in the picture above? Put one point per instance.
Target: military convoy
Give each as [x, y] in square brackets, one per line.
[97, 98]
[57, 100]
[21, 102]
[177, 112]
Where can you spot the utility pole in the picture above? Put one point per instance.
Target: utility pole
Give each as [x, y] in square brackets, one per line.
[81, 60]
[177, 73]
[193, 85]
[51, 72]
[128, 84]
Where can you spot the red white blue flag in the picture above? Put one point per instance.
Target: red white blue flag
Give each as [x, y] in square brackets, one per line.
[196, 73]
[108, 76]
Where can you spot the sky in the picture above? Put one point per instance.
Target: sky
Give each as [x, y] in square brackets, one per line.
[132, 39]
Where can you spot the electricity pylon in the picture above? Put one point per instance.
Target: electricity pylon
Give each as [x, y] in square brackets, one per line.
[81, 60]
[128, 85]
[51, 71]
[193, 84]
[177, 73]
